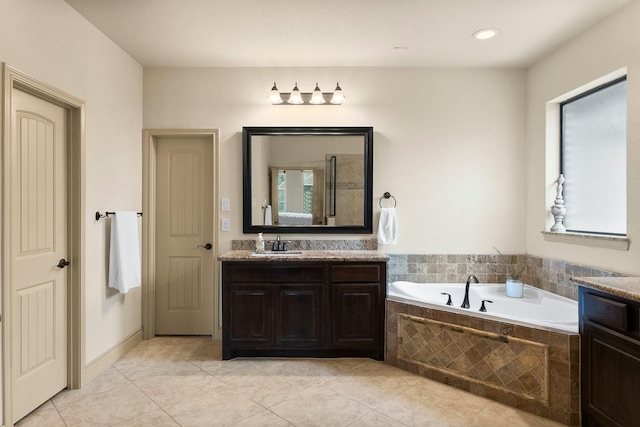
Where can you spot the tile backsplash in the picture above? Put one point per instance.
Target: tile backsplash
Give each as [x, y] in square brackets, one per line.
[550, 275]
[544, 273]
[555, 276]
[311, 245]
[453, 268]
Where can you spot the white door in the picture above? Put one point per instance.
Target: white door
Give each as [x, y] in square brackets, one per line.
[184, 228]
[38, 241]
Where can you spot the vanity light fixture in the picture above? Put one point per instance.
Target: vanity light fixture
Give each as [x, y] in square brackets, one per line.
[317, 97]
[337, 98]
[275, 97]
[295, 97]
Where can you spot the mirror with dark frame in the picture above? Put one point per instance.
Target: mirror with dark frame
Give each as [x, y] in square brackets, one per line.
[307, 179]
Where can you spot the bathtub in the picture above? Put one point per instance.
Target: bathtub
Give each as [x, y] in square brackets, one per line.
[523, 352]
[537, 307]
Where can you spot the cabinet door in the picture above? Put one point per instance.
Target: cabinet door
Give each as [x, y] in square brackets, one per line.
[610, 377]
[356, 315]
[249, 322]
[299, 316]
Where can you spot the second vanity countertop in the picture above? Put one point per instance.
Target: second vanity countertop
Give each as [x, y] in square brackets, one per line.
[624, 287]
[303, 255]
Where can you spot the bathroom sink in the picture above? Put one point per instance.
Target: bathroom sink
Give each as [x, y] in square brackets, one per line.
[277, 254]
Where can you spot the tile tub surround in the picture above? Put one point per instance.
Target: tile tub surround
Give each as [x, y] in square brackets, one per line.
[544, 273]
[452, 268]
[555, 276]
[535, 370]
[550, 275]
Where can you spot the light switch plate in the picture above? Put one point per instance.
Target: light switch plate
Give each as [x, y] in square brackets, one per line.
[225, 204]
[226, 224]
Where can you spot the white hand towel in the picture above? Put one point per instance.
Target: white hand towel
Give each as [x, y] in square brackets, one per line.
[267, 216]
[124, 255]
[387, 228]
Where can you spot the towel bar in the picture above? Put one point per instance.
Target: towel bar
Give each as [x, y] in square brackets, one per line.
[106, 214]
[388, 195]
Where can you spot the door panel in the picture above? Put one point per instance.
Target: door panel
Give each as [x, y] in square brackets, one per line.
[355, 315]
[38, 218]
[184, 268]
[299, 316]
[251, 314]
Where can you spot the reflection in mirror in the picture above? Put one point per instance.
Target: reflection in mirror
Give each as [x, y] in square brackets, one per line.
[307, 179]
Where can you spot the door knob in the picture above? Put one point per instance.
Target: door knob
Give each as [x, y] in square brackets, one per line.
[207, 246]
[62, 263]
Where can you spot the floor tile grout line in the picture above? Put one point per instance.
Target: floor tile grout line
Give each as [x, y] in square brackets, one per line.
[178, 401]
[327, 373]
[264, 409]
[105, 392]
[157, 404]
[62, 407]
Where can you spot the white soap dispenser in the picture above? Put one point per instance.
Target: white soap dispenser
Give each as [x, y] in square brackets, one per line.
[260, 243]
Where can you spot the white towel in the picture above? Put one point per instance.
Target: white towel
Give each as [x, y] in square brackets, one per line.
[267, 216]
[124, 256]
[387, 228]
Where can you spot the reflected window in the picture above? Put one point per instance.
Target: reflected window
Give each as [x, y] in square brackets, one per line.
[307, 192]
[282, 191]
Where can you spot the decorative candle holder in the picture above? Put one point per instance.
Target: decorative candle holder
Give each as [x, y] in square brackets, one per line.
[515, 288]
[558, 210]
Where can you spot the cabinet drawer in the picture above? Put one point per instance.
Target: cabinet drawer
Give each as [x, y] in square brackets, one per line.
[274, 273]
[358, 273]
[606, 312]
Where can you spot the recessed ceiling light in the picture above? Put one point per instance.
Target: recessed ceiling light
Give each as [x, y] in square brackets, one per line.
[485, 34]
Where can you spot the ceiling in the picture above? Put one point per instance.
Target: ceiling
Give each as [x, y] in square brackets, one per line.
[349, 33]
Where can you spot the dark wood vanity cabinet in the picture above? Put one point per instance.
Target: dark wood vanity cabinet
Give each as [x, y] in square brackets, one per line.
[355, 303]
[311, 309]
[610, 359]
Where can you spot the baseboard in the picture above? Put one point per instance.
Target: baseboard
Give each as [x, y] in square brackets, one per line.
[109, 357]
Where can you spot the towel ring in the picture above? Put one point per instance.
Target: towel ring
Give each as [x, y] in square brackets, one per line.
[388, 195]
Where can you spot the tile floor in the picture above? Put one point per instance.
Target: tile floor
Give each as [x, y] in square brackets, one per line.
[181, 381]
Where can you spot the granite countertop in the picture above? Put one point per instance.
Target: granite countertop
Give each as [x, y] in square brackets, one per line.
[625, 287]
[300, 256]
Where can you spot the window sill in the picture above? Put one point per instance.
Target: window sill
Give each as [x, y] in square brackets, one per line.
[594, 240]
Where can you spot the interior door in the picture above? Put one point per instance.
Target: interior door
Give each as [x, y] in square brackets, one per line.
[38, 242]
[184, 228]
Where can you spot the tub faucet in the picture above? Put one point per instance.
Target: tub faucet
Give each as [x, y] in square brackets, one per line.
[465, 303]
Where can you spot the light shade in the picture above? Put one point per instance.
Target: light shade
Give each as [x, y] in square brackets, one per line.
[337, 98]
[296, 96]
[275, 97]
[317, 97]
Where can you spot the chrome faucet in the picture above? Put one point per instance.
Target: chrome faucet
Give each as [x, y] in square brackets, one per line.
[465, 303]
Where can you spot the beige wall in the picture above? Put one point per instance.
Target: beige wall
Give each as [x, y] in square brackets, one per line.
[50, 41]
[456, 147]
[607, 47]
[448, 144]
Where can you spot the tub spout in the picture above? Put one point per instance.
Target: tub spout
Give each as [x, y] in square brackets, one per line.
[465, 302]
